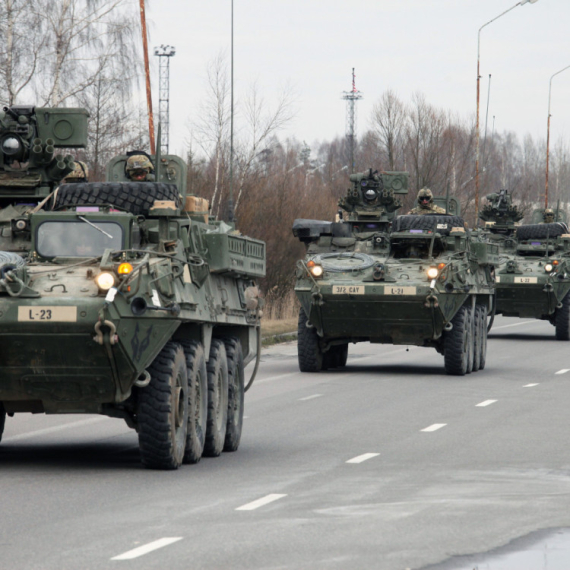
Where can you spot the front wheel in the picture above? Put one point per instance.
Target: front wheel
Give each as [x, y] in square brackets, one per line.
[562, 319]
[309, 352]
[456, 344]
[163, 410]
[236, 376]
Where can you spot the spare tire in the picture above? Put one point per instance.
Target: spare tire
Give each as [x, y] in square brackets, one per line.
[440, 223]
[134, 197]
[541, 231]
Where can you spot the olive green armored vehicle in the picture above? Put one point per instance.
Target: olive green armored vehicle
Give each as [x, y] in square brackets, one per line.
[121, 298]
[533, 276]
[412, 280]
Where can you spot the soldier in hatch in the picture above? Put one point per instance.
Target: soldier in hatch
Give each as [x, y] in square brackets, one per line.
[139, 168]
[425, 204]
[80, 174]
[548, 216]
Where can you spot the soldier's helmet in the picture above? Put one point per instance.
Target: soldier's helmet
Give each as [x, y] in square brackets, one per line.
[425, 197]
[139, 162]
[548, 215]
[79, 174]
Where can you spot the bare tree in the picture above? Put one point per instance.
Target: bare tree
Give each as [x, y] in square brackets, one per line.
[389, 118]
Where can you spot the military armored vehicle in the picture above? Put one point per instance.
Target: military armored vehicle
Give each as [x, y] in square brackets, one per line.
[125, 299]
[533, 276]
[411, 280]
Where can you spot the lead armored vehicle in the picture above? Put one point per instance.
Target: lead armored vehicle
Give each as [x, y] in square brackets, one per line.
[533, 276]
[122, 298]
[413, 280]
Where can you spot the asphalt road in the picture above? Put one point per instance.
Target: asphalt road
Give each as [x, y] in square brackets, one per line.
[389, 464]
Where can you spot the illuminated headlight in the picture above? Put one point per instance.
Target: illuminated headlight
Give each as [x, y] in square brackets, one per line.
[11, 146]
[548, 267]
[105, 281]
[316, 270]
[432, 272]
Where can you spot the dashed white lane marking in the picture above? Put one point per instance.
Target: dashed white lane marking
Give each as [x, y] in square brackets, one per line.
[260, 502]
[145, 549]
[53, 429]
[530, 385]
[485, 403]
[563, 371]
[310, 397]
[434, 427]
[513, 325]
[363, 457]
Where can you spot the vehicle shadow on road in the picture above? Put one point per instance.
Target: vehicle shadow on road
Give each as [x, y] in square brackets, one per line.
[394, 369]
[80, 456]
[520, 336]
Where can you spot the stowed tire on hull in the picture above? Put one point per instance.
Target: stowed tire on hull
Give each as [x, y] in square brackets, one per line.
[421, 280]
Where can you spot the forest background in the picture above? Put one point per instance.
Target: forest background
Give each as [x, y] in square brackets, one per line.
[84, 53]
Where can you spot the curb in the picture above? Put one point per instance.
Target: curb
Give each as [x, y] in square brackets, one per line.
[278, 338]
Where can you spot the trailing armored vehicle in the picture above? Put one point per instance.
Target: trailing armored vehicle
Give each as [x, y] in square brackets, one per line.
[413, 280]
[533, 276]
[124, 299]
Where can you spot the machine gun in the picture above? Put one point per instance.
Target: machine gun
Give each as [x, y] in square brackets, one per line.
[374, 196]
[29, 136]
[499, 213]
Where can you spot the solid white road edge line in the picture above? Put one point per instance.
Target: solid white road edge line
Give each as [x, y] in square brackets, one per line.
[485, 403]
[563, 371]
[363, 457]
[530, 385]
[310, 397]
[145, 549]
[260, 502]
[514, 325]
[434, 427]
[53, 429]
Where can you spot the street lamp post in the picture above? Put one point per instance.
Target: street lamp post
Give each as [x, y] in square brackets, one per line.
[548, 136]
[522, 2]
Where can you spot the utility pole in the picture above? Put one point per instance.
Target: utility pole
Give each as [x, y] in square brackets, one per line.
[164, 53]
[351, 97]
[147, 77]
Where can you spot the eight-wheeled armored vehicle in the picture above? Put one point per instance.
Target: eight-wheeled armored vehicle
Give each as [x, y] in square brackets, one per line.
[413, 279]
[533, 276]
[123, 298]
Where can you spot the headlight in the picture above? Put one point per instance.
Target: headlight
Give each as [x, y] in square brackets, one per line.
[548, 267]
[432, 272]
[105, 281]
[316, 270]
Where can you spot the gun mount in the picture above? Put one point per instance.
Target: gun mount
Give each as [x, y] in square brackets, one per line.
[374, 196]
[500, 213]
[30, 168]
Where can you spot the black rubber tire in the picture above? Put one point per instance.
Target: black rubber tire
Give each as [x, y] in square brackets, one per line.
[342, 355]
[427, 222]
[134, 197]
[197, 400]
[162, 411]
[217, 399]
[477, 338]
[236, 378]
[309, 352]
[2, 419]
[336, 356]
[456, 344]
[483, 356]
[562, 319]
[471, 342]
[541, 231]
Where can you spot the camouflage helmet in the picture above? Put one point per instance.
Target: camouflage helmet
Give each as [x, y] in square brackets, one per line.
[425, 193]
[548, 213]
[79, 172]
[139, 162]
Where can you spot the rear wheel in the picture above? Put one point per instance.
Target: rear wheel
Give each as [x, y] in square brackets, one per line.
[562, 319]
[478, 338]
[197, 400]
[217, 399]
[2, 419]
[483, 352]
[471, 342]
[308, 350]
[456, 344]
[235, 393]
[163, 410]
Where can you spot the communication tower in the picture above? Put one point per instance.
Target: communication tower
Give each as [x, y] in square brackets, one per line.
[351, 97]
[164, 53]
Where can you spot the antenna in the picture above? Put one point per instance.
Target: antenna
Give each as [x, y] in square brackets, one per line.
[164, 53]
[351, 97]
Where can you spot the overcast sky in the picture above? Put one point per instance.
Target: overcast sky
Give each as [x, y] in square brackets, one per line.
[403, 45]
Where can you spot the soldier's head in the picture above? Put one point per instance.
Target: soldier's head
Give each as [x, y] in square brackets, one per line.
[139, 167]
[425, 198]
[548, 216]
[79, 174]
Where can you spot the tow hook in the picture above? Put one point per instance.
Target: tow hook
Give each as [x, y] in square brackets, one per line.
[431, 301]
[98, 338]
